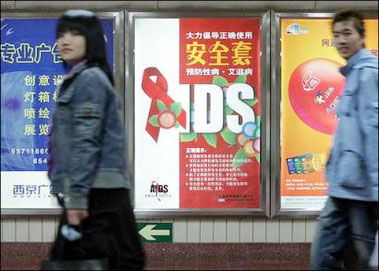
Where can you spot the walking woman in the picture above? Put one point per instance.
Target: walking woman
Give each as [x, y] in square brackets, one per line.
[87, 163]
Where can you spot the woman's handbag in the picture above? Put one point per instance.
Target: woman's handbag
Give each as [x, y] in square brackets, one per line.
[69, 245]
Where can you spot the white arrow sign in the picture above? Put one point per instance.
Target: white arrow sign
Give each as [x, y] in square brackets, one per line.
[148, 231]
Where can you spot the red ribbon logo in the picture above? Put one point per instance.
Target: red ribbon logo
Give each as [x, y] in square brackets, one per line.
[158, 91]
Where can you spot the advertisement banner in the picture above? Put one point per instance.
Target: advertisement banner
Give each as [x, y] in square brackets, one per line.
[311, 87]
[198, 115]
[31, 70]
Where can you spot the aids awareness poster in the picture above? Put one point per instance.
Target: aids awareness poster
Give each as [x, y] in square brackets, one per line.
[311, 89]
[197, 113]
[31, 70]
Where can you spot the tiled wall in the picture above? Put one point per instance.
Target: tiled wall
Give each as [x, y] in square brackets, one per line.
[185, 230]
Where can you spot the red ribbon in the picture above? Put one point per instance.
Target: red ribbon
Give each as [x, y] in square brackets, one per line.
[158, 91]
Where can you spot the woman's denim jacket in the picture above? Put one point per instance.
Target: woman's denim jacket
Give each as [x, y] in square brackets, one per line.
[88, 144]
[352, 168]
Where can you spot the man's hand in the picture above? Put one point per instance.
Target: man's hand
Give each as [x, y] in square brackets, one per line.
[75, 216]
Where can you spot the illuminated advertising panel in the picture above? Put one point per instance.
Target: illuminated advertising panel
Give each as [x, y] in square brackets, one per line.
[311, 87]
[31, 70]
[198, 113]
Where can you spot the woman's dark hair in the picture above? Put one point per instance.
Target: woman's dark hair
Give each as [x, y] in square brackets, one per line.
[87, 24]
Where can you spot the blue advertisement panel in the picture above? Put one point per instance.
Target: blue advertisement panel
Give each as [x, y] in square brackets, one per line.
[31, 69]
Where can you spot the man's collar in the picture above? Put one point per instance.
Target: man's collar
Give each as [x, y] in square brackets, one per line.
[352, 61]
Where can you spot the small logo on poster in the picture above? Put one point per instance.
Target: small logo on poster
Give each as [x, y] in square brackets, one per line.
[310, 82]
[32, 191]
[296, 29]
[158, 191]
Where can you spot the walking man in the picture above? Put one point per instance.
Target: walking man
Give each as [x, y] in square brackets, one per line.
[351, 212]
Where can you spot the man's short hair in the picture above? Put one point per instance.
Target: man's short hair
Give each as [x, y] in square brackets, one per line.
[351, 15]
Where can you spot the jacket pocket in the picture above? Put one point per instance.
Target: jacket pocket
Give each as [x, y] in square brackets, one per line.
[350, 170]
[87, 119]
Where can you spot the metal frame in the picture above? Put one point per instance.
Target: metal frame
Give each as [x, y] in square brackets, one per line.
[265, 103]
[276, 209]
[118, 18]
[270, 93]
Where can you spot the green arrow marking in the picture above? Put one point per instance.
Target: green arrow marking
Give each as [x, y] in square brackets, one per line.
[148, 231]
[155, 232]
